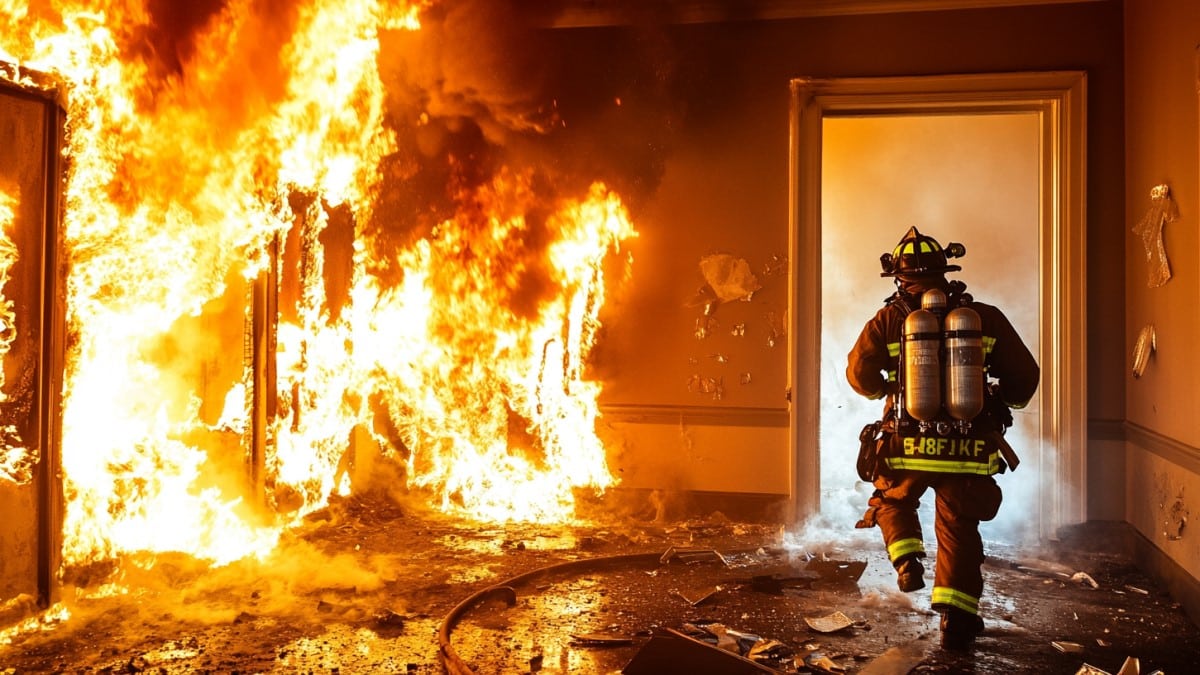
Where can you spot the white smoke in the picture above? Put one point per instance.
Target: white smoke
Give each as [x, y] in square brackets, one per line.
[971, 179]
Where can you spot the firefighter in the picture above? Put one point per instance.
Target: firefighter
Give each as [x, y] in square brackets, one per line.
[950, 369]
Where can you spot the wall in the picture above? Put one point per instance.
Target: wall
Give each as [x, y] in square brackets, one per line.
[690, 122]
[1162, 146]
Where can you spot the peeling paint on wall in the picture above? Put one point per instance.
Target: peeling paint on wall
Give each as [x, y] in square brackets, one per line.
[730, 280]
[1176, 519]
[1172, 507]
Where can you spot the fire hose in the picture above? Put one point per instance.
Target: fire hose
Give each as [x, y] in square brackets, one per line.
[453, 663]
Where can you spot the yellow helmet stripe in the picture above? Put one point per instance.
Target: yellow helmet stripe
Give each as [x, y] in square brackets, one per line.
[908, 248]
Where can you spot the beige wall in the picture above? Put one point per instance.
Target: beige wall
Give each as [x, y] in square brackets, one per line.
[1161, 141]
[699, 143]
[1162, 146]
[1159, 494]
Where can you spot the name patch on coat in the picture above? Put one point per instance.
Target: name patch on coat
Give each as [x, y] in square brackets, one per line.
[943, 447]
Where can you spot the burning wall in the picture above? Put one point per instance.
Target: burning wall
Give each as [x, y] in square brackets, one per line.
[438, 295]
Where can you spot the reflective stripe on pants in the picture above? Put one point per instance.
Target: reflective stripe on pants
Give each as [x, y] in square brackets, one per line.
[961, 502]
[943, 597]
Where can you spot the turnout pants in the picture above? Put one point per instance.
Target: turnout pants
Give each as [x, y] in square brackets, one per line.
[962, 502]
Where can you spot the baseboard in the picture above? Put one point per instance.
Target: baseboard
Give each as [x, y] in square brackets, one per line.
[1183, 587]
[673, 505]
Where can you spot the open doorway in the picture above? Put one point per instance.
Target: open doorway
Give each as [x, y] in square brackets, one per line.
[1044, 109]
[971, 179]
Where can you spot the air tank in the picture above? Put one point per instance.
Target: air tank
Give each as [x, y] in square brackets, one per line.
[934, 300]
[922, 367]
[964, 363]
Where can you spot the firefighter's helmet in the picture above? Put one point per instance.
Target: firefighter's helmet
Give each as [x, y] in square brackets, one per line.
[919, 254]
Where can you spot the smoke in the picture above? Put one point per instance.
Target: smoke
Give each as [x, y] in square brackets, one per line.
[472, 60]
[969, 179]
[486, 86]
[1020, 518]
[167, 40]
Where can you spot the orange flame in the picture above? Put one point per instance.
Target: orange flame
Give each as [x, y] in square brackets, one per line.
[16, 462]
[476, 358]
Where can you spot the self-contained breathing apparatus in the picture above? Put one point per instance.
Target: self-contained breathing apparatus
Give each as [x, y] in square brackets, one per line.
[941, 368]
[942, 395]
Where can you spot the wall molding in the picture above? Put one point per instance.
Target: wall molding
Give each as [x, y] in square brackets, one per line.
[1182, 454]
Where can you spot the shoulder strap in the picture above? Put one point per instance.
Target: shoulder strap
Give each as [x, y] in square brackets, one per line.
[958, 295]
[900, 301]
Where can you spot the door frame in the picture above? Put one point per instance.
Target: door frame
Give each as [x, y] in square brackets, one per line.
[1059, 100]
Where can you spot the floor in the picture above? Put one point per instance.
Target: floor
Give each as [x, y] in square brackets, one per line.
[371, 585]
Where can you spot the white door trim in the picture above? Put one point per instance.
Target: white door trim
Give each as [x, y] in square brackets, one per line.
[1059, 98]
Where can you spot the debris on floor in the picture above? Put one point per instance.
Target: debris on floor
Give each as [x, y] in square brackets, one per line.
[366, 586]
[1131, 666]
[831, 623]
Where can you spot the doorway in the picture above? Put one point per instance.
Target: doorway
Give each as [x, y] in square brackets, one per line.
[971, 179]
[924, 119]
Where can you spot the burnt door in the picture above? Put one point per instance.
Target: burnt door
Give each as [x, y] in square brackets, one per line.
[31, 342]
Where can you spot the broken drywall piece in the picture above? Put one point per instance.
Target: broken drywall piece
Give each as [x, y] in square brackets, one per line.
[672, 651]
[1132, 666]
[697, 597]
[830, 623]
[1067, 647]
[899, 660]
[729, 278]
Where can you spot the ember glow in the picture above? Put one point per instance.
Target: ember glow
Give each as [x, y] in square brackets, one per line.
[465, 363]
[16, 462]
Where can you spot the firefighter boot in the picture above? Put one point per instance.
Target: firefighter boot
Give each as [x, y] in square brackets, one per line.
[910, 574]
[959, 629]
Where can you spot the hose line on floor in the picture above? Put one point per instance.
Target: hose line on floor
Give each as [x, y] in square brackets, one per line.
[453, 663]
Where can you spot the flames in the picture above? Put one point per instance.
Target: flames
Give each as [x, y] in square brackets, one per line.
[16, 462]
[463, 367]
